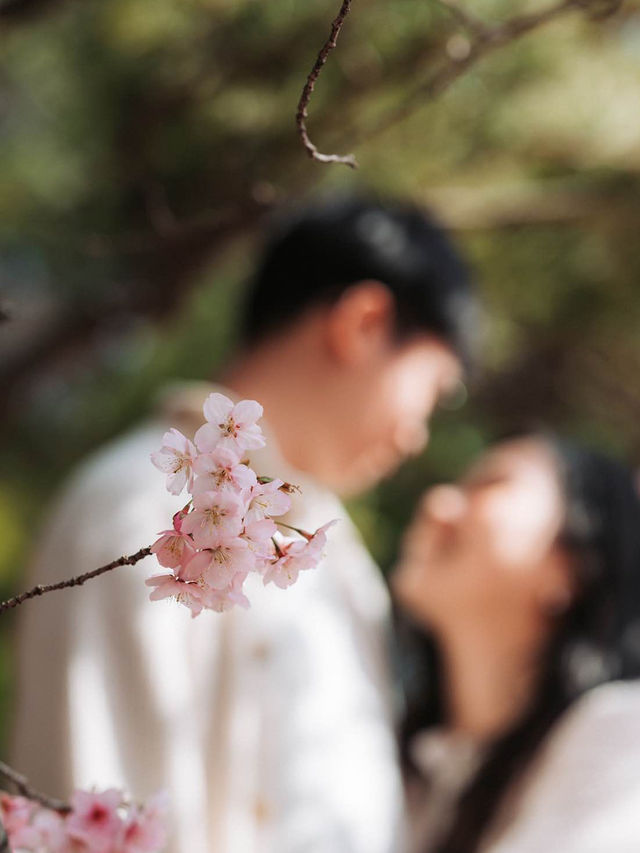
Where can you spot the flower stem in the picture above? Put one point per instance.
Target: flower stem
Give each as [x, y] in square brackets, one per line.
[289, 527]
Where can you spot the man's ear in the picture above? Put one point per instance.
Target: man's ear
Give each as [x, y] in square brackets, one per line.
[361, 322]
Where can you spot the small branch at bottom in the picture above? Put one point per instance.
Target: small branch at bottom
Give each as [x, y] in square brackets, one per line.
[22, 786]
[4, 840]
[41, 589]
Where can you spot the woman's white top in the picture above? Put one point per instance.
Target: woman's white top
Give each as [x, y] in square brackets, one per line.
[580, 794]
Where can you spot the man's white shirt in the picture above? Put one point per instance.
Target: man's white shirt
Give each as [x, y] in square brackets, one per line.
[271, 728]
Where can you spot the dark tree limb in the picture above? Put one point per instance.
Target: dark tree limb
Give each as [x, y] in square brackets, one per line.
[162, 264]
[20, 10]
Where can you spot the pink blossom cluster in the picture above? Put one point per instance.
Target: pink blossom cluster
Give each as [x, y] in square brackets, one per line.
[227, 529]
[97, 823]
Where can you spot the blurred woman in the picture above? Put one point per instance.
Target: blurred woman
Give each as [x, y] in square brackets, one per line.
[522, 731]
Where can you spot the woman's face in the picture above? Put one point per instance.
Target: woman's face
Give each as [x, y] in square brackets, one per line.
[484, 552]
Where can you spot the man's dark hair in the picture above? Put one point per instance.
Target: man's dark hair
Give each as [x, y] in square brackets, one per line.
[318, 251]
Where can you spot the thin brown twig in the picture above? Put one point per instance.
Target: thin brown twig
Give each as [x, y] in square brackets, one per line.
[303, 104]
[22, 786]
[41, 589]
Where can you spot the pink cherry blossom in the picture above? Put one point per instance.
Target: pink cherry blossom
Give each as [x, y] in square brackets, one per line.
[258, 534]
[222, 600]
[221, 468]
[51, 832]
[16, 819]
[318, 540]
[285, 570]
[266, 499]
[216, 566]
[179, 516]
[229, 425]
[297, 556]
[214, 514]
[31, 827]
[173, 549]
[144, 828]
[94, 819]
[226, 530]
[175, 459]
[168, 586]
[97, 823]
[16, 812]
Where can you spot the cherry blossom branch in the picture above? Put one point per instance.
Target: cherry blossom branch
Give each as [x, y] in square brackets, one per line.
[303, 104]
[41, 589]
[22, 786]
[482, 39]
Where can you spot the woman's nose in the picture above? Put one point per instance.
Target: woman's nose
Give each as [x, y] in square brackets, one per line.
[411, 438]
[444, 504]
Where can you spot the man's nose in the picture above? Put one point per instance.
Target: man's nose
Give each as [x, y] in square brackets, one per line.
[444, 504]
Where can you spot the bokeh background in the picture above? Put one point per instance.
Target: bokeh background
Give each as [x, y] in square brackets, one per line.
[142, 143]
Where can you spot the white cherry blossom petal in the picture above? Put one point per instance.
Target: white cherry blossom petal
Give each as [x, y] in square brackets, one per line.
[217, 408]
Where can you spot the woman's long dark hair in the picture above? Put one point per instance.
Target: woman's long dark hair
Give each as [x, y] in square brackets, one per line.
[598, 639]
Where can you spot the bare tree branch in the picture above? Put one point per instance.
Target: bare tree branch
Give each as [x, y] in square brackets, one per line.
[18, 11]
[302, 113]
[22, 786]
[164, 265]
[484, 39]
[41, 589]
[474, 25]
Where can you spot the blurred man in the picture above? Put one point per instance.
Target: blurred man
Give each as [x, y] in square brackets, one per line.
[271, 727]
